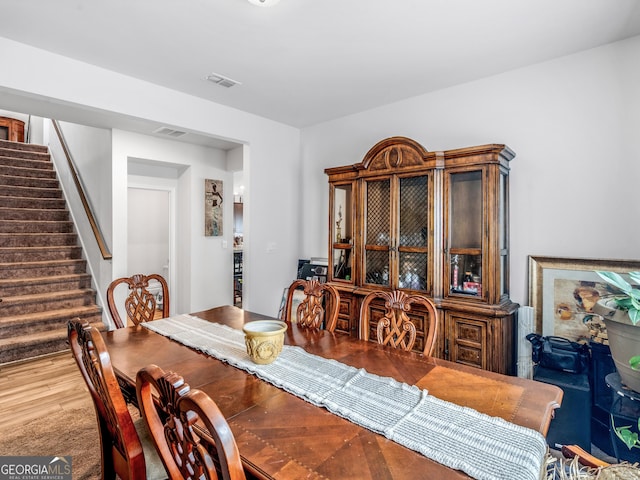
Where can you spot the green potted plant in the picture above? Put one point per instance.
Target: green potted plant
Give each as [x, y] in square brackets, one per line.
[628, 437]
[621, 314]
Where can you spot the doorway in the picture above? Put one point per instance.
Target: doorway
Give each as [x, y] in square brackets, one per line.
[238, 234]
[149, 234]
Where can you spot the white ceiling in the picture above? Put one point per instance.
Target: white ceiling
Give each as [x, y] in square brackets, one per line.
[302, 62]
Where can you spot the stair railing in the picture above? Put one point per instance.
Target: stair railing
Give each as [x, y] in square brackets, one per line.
[102, 245]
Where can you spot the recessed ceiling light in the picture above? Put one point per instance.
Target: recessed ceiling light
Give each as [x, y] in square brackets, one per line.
[264, 3]
[222, 80]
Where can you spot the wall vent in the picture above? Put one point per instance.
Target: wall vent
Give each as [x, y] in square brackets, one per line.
[169, 132]
[222, 80]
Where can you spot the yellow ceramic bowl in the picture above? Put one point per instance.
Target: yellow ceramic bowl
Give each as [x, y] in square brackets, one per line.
[264, 340]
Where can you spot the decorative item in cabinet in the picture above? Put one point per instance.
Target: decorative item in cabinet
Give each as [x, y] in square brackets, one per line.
[434, 223]
[342, 231]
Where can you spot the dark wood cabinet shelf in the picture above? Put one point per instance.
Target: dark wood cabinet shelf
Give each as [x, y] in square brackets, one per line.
[434, 223]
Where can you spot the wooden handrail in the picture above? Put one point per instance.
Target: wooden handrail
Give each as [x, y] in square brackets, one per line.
[87, 207]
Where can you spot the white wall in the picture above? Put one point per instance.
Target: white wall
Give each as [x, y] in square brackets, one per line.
[271, 153]
[574, 124]
[90, 150]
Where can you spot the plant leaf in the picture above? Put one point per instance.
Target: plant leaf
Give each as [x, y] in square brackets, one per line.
[627, 436]
[635, 276]
[634, 362]
[635, 294]
[624, 302]
[616, 280]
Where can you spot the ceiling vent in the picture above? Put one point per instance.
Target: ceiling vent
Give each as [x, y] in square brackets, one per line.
[222, 80]
[170, 132]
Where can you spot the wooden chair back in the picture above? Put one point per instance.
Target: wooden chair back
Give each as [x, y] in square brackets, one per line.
[140, 304]
[185, 449]
[122, 451]
[320, 303]
[395, 328]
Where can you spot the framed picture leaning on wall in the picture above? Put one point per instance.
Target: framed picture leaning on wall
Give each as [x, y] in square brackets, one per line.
[563, 291]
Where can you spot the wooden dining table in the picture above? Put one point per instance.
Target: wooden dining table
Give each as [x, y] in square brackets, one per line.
[281, 436]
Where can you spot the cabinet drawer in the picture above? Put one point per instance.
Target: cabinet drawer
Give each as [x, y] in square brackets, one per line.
[345, 306]
[468, 340]
[345, 314]
[470, 332]
[468, 355]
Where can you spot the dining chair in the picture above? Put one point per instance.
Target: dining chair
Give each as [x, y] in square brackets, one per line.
[315, 303]
[126, 449]
[140, 305]
[395, 328]
[190, 433]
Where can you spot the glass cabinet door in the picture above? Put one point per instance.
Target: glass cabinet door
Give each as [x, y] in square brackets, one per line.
[377, 242]
[503, 229]
[412, 240]
[465, 233]
[342, 223]
[396, 236]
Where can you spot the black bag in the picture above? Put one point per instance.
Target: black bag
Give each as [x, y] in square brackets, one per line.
[558, 353]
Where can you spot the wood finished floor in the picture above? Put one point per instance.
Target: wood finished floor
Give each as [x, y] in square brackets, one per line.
[40, 387]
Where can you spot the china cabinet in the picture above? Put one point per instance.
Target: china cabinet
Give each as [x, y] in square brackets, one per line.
[434, 223]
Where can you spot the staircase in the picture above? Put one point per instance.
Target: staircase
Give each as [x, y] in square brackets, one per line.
[43, 278]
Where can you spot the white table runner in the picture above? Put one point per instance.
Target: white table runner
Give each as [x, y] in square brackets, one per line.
[484, 447]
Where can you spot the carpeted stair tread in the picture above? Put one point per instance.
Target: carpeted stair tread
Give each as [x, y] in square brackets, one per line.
[37, 164]
[37, 343]
[10, 201]
[29, 147]
[37, 240]
[25, 172]
[29, 182]
[6, 282]
[52, 264]
[34, 214]
[30, 191]
[25, 286]
[34, 296]
[36, 226]
[39, 268]
[32, 254]
[52, 315]
[18, 153]
[45, 301]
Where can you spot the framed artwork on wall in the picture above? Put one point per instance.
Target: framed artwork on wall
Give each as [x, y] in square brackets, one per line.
[563, 291]
[213, 208]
